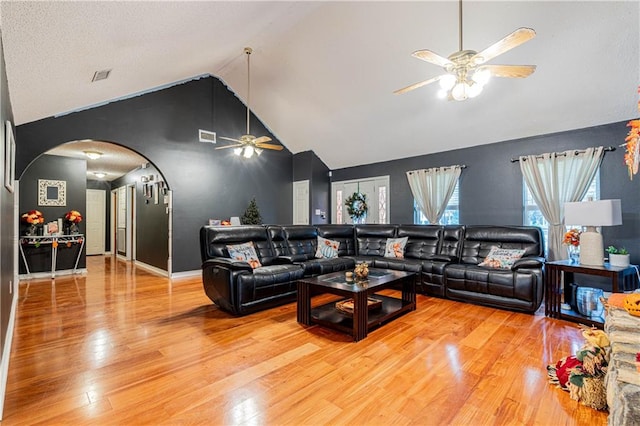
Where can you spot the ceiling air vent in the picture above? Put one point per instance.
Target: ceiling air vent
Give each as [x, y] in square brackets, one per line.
[101, 75]
[206, 136]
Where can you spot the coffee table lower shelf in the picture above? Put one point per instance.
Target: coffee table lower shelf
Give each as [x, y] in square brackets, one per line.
[329, 316]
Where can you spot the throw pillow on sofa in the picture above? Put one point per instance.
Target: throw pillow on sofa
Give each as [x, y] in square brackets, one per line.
[245, 253]
[327, 249]
[502, 258]
[395, 247]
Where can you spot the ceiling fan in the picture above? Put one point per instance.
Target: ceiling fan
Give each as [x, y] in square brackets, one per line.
[466, 72]
[248, 144]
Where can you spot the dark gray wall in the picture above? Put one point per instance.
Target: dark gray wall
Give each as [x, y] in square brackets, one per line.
[74, 172]
[163, 127]
[7, 216]
[106, 187]
[308, 166]
[491, 185]
[152, 220]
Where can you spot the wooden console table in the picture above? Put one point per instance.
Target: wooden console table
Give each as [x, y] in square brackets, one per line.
[54, 241]
[560, 274]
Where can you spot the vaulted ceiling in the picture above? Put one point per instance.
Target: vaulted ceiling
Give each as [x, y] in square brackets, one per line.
[323, 73]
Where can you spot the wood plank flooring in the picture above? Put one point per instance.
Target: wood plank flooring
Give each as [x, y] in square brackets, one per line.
[122, 346]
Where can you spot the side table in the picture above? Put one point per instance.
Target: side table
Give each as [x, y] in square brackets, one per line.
[560, 273]
[53, 241]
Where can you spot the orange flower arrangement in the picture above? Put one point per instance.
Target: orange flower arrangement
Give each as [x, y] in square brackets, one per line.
[32, 217]
[571, 237]
[73, 216]
[632, 145]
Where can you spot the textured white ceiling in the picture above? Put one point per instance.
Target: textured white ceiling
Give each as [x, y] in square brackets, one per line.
[115, 161]
[323, 73]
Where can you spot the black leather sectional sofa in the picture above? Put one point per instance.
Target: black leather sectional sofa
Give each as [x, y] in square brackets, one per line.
[445, 259]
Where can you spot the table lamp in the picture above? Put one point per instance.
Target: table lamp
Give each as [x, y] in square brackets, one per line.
[591, 214]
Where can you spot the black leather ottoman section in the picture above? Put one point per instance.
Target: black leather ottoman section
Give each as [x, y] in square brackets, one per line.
[493, 286]
[433, 277]
[341, 233]
[491, 301]
[267, 286]
[371, 240]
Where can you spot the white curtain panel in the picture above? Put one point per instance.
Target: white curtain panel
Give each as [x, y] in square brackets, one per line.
[557, 178]
[432, 189]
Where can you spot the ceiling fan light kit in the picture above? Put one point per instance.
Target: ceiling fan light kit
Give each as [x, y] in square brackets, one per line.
[466, 72]
[248, 145]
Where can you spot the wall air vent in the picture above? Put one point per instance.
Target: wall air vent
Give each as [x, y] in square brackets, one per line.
[100, 75]
[206, 136]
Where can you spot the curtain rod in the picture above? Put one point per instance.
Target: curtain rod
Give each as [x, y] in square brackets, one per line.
[561, 154]
[463, 166]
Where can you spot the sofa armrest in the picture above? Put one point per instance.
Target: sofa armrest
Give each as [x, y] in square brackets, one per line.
[530, 262]
[224, 263]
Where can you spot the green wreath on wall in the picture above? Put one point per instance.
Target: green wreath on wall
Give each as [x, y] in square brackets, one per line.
[357, 205]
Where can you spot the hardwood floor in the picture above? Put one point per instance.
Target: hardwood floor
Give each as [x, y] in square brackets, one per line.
[122, 346]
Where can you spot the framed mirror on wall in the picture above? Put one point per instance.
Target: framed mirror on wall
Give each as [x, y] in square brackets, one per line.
[9, 156]
[52, 192]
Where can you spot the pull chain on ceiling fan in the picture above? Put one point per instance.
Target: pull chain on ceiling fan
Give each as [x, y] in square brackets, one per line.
[466, 72]
[248, 144]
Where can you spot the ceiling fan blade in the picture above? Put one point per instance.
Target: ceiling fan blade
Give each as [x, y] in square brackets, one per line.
[512, 71]
[434, 58]
[514, 39]
[229, 146]
[262, 139]
[269, 146]
[416, 85]
[230, 139]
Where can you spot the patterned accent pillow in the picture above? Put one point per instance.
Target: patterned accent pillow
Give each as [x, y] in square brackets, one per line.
[327, 249]
[245, 253]
[395, 247]
[502, 258]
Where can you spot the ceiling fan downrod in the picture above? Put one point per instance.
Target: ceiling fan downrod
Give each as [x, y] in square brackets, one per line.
[248, 51]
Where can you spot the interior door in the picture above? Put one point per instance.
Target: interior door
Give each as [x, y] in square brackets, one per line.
[301, 202]
[95, 221]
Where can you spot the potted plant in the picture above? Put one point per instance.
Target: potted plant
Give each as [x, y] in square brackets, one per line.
[618, 256]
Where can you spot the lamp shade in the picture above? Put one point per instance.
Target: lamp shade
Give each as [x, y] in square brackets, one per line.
[593, 213]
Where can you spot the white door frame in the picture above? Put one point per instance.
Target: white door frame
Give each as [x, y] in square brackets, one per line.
[102, 194]
[304, 184]
[378, 182]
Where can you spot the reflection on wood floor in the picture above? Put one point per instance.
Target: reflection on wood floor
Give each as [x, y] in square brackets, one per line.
[122, 346]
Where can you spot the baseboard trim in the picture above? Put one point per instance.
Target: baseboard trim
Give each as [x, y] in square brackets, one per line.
[186, 274]
[150, 268]
[45, 274]
[6, 353]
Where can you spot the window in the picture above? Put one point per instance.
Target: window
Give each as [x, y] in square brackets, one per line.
[451, 215]
[382, 204]
[339, 206]
[533, 216]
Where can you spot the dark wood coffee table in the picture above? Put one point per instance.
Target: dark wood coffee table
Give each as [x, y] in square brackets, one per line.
[363, 319]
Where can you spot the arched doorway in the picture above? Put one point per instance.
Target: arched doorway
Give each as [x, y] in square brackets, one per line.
[125, 200]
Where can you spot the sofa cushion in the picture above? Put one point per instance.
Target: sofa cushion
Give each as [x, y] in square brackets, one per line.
[479, 240]
[341, 233]
[502, 258]
[315, 267]
[371, 240]
[395, 247]
[423, 240]
[327, 249]
[244, 253]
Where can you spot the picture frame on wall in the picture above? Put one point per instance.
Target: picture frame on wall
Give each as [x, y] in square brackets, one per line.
[9, 156]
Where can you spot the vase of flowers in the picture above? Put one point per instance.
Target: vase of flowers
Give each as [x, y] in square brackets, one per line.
[71, 220]
[33, 219]
[572, 241]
